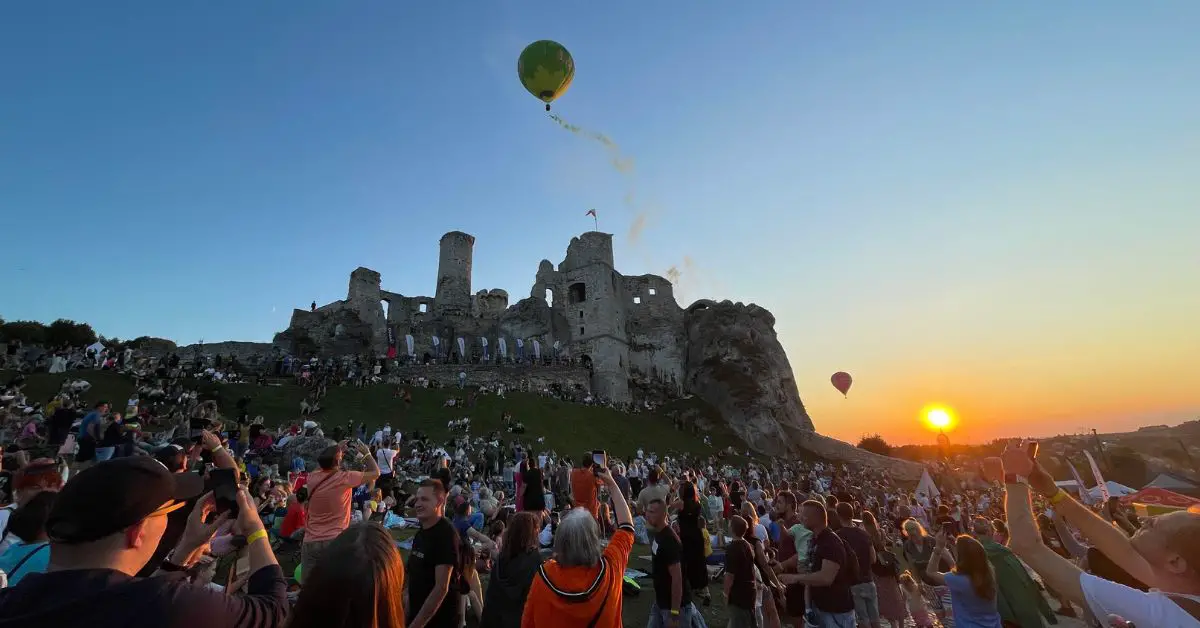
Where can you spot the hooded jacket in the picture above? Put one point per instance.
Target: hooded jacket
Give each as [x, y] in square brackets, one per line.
[508, 586]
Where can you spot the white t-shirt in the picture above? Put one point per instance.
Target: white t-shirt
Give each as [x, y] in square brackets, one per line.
[1105, 598]
[385, 457]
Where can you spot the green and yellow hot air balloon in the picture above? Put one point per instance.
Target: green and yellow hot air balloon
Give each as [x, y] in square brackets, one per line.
[546, 69]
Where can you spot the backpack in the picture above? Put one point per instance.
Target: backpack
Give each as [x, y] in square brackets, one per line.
[853, 572]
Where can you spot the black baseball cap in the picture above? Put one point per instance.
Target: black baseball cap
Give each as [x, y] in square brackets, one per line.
[174, 457]
[113, 495]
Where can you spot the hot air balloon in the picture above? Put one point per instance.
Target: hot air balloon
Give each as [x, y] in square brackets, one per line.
[546, 70]
[841, 381]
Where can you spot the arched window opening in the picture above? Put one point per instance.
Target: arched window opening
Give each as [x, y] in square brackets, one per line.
[549, 297]
[577, 293]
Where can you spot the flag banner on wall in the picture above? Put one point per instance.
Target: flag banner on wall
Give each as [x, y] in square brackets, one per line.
[408, 343]
[391, 341]
[484, 342]
[537, 350]
[462, 347]
[503, 347]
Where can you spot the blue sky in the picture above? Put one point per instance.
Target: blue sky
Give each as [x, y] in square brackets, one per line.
[917, 187]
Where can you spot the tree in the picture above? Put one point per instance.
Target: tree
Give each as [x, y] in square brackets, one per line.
[28, 332]
[1127, 466]
[67, 332]
[875, 444]
[152, 344]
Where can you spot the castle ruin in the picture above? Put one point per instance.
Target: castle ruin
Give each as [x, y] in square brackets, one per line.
[636, 341]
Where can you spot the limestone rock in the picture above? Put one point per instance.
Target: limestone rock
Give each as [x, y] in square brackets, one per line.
[735, 363]
[306, 447]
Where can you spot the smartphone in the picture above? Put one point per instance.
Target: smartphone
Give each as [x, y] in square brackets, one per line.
[1032, 449]
[224, 489]
[599, 458]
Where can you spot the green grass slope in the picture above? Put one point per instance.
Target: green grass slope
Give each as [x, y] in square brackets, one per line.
[566, 427]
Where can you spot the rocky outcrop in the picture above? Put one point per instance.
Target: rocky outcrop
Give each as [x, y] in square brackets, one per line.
[834, 449]
[735, 363]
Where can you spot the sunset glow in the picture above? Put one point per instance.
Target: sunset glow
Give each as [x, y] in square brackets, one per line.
[939, 418]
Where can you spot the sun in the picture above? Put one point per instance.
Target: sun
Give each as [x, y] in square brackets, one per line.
[938, 418]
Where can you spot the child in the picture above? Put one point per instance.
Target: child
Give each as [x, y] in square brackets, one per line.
[916, 603]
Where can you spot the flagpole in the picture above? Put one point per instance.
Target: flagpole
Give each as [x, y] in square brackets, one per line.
[595, 222]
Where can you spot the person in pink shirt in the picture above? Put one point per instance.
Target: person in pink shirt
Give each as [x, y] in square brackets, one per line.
[330, 490]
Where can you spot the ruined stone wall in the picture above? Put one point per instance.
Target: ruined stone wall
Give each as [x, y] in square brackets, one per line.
[489, 303]
[656, 335]
[453, 296]
[595, 310]
[512, 377]
[364, 297]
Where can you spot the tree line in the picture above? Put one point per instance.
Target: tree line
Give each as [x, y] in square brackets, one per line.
[68, 333]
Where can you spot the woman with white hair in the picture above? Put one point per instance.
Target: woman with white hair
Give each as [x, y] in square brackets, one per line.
[582, 584]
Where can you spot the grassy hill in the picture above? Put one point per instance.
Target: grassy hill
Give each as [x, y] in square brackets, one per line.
[567, 427]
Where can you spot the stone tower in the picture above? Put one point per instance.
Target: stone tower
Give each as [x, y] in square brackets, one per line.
[596, 312]
[453, 295]
[363, 296]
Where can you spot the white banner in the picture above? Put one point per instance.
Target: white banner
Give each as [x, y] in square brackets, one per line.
[1084, 495]
[462, 348]
[408, 342]
[503, 347]
[537, 350]
[520, 343]
[1100, 483]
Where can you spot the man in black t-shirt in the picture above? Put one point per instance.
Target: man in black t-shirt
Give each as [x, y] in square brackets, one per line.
[831, 572]
[433, 581]
[866, 596]
[672, 594]
[739, 585]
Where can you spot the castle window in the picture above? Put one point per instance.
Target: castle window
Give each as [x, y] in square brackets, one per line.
[422, 308]
[580, 314]
[577, 293]
[652, 292]
[549, 297]
[580, 331]
[637, 300]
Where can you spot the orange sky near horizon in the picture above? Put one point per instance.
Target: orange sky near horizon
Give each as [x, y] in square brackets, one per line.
[1112, 360]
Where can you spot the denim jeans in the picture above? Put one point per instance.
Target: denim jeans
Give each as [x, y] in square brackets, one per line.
[821, 619]
[689, 617]
[105, 453]
[866, 602]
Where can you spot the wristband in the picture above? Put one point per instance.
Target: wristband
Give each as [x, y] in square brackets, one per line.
[260, 533]
[1013, 478]
[674, 613]
[169, 566]
[1058, 497]
[217, 448]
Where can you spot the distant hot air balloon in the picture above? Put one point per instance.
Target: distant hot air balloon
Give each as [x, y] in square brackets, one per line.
[546, 70]
[841, 380]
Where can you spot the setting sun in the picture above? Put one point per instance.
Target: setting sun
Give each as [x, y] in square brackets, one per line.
[938, 418]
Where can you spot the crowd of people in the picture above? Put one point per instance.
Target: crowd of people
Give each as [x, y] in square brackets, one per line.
[172, 513]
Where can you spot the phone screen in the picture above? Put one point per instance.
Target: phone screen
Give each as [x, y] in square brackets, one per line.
[224, 489]
[1032, 450]
[599, 458]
